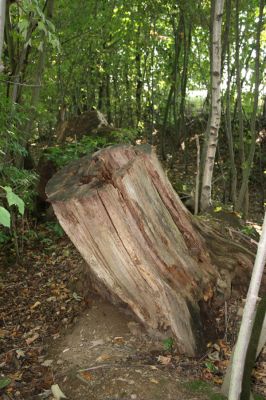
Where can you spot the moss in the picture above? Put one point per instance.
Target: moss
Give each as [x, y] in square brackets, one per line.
[198, 386]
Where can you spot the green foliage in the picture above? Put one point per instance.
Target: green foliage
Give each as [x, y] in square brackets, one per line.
[199, 386]
[12, 200]
[5, 218]
[70, 151]
[23, 182]
[55, 228]
[211, 367]
[168, 344]
[249, 230]
[125, 135]
[4, 381]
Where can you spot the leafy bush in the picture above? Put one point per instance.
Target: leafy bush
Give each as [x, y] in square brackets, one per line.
[70, 151]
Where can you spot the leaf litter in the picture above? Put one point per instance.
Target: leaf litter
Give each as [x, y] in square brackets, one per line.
[41, 300]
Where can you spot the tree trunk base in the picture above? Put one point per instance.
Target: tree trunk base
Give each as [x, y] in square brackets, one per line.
[142, 247]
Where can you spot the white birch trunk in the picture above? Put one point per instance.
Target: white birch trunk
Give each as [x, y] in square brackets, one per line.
[239, 357]
[215, 106]
[2, 28]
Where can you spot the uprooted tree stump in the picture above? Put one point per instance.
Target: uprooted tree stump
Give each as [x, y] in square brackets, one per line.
[143, 248]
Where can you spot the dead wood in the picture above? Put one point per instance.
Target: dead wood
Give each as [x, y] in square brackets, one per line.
[142, 246]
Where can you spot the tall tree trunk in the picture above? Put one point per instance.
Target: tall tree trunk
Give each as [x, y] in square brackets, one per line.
[139, 83]
[2, 29]
[181, 120]
[172, 90]
[249, 313]
[37, 85]
[108, 100]
[228, 122]
[207, 102]
[239, 91]
[248, 165]
[215, 106]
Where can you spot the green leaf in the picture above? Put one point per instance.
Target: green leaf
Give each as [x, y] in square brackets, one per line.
[4, 217]
[168, 343]
[4, 382]
[42, 27]
[14, 199]
[211, 367]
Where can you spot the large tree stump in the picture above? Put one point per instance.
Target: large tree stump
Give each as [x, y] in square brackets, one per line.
[142, 246]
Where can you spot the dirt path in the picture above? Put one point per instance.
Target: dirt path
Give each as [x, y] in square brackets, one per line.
[122, 362]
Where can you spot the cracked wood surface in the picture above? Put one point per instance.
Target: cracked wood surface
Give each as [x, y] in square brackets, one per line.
[122, 214]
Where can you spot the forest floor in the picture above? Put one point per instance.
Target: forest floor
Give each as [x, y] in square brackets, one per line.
[56, 331]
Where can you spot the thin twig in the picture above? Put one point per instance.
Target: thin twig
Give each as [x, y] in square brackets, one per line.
[20, 84]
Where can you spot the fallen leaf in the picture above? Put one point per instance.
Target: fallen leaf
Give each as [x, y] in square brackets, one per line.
[87, 375]
[119, 340]
[47, 363]
[3, 333]
[103, 357]
[165, 360]
[32, 339]
[20, 353]
[57, 392]
[35, 305]
[215, 356]
[154, 381]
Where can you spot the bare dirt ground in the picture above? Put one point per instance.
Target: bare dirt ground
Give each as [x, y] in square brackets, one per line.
[108, 356]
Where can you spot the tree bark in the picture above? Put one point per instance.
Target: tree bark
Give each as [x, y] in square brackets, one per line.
[2, 28]
[215, 106]
[248, 319]
[248, 165]
[142, 246]
[228, 122]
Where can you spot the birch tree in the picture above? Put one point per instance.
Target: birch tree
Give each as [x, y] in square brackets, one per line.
[215, 105]
[248, 319]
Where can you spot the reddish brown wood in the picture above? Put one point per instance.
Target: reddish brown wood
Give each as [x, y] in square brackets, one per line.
[139, 241]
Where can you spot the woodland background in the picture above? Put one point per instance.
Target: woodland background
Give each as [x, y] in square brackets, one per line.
[146, 67]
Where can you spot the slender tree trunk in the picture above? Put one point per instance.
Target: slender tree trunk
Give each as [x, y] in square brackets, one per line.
[248, 165]
[2, 29]
[182, 133]
[215, 106]
[139, 83]
[239, 91]
[108, 100]
[207, 102]
[228, 122]
[248, 319]
[172, 90]
[37, 85]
